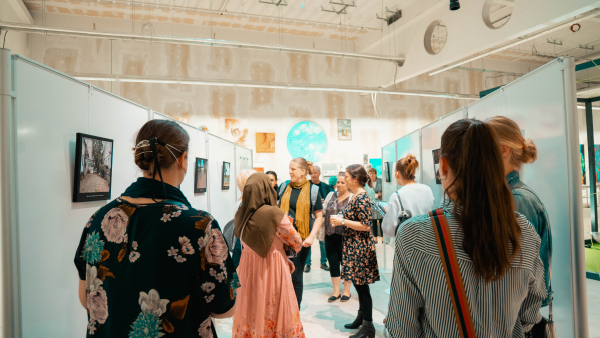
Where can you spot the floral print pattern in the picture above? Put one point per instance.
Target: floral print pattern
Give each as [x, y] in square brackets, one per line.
[114, 225]
[205, 330]
[289, 236]
[92, 252]
[122, 231]
[359, 258]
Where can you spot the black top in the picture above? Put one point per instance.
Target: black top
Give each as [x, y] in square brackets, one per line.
[294, 200]
[154, 269]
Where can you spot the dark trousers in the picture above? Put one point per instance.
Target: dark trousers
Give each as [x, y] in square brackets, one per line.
[334, 245]
[298, 275]
[365, 301]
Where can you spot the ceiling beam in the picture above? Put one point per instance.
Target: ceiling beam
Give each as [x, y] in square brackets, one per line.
[191, 41]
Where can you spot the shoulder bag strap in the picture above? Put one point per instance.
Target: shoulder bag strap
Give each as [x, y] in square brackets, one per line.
[314, 194]
[454, 280]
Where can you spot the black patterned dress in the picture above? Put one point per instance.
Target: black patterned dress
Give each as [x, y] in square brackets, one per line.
[360, 259]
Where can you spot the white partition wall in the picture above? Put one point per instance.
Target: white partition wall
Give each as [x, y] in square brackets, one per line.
[543, 104]
[221, 204]
[243, 160]
[389, 155]
[539, 103]
[48, 109]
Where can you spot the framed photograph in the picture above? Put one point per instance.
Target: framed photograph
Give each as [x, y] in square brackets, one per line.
[201, 175]
[386, 172]
[93, 168]
[226, 180]
[436, 166]
[344, 129]
[265, 143]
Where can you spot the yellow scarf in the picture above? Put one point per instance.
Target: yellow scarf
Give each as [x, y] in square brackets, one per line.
[302, 206]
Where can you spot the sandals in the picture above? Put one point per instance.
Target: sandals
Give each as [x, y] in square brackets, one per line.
[334, 298]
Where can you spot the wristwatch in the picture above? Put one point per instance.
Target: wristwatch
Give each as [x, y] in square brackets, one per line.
[343, 221]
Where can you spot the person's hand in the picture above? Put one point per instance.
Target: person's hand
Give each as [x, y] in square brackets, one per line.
[291, 266]
[308, 242]
[335, 221]
[378, 195]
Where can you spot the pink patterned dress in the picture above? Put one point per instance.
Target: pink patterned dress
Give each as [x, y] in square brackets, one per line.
[266, 304]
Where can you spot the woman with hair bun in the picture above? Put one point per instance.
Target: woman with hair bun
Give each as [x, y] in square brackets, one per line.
[359, 256]
[307, 215]
[516, 151]
[414, 198]
[149, 263]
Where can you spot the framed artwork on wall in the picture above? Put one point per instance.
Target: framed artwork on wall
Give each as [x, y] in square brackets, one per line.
[582, 153]
[436, 166]
[93, 168]
[386, 172]
[344, 129]
[226, 177]
[201, 175]
[265, 143]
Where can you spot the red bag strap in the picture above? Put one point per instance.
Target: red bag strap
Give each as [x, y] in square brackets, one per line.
[454, 280]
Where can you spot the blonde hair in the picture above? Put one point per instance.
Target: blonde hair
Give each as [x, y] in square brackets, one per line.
[304, 164]
[242, 178]
[522, 150]
[407, 167]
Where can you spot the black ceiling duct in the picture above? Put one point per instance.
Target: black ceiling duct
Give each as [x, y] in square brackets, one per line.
[454, 5]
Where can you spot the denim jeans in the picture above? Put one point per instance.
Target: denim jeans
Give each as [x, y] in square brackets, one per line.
[323, 254]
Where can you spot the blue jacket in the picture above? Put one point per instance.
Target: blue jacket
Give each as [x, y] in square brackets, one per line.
[529, 205]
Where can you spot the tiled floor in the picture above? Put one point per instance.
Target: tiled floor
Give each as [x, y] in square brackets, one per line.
[323, 319]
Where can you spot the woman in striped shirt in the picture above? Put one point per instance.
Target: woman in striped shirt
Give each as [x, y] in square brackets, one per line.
[503, 278]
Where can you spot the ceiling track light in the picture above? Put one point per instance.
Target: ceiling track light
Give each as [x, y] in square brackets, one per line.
[454, 5]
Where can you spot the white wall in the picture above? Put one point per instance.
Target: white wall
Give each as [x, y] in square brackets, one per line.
[50, 109]
[221, 204]
[542, 104]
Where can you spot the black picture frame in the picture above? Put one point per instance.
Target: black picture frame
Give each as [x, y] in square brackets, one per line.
[386, 172]
[100, 169]
[226, 176]
[201, 175]
[436, 166]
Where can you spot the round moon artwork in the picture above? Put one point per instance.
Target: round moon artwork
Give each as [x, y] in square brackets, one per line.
[306, 139]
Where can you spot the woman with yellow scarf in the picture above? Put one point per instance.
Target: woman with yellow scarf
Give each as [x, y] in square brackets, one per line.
[296, 203]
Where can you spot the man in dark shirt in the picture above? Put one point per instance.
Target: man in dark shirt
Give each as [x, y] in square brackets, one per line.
[324, 190]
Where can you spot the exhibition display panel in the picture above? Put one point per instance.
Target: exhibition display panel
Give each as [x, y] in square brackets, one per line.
[41, 224]
[543, 104]
[388, 181]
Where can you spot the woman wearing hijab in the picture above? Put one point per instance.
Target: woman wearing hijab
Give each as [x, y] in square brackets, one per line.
[266, 303]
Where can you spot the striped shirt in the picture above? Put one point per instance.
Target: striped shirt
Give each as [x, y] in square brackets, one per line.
[420, 304]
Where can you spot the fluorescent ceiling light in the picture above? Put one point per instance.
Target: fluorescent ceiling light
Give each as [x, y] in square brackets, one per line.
[593, 108]
[271, 85]
[520, 41]
[190, 41]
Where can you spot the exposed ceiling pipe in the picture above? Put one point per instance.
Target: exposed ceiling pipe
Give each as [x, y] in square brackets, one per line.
[521, 40]
[214, 12]
[190, 41]
[269, 85]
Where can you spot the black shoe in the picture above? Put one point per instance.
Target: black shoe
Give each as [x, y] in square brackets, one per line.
[334, 298]
[366, 331]
[357, 322]
[307, 268]
[324, 267]
[345, 298]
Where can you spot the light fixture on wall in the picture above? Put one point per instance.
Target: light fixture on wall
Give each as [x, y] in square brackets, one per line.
[271, 85]
[454, 5]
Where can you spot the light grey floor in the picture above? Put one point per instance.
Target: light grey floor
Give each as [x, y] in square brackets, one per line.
[323, 319]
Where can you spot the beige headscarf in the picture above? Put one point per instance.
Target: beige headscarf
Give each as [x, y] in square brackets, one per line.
[258, 217]
[302, 206]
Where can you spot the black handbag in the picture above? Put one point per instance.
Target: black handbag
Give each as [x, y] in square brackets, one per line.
[403, 214]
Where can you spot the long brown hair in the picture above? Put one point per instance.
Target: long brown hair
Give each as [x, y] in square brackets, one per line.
[491, 232]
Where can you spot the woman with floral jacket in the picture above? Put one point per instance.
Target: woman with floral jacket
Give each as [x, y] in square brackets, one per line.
[149, 264]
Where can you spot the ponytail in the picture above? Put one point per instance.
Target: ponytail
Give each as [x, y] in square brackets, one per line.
[407, 167]
[491, 232]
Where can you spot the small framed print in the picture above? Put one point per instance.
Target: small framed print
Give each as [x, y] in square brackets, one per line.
[201, 175]
[93, 168]
[344, 129]
[226, 178]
